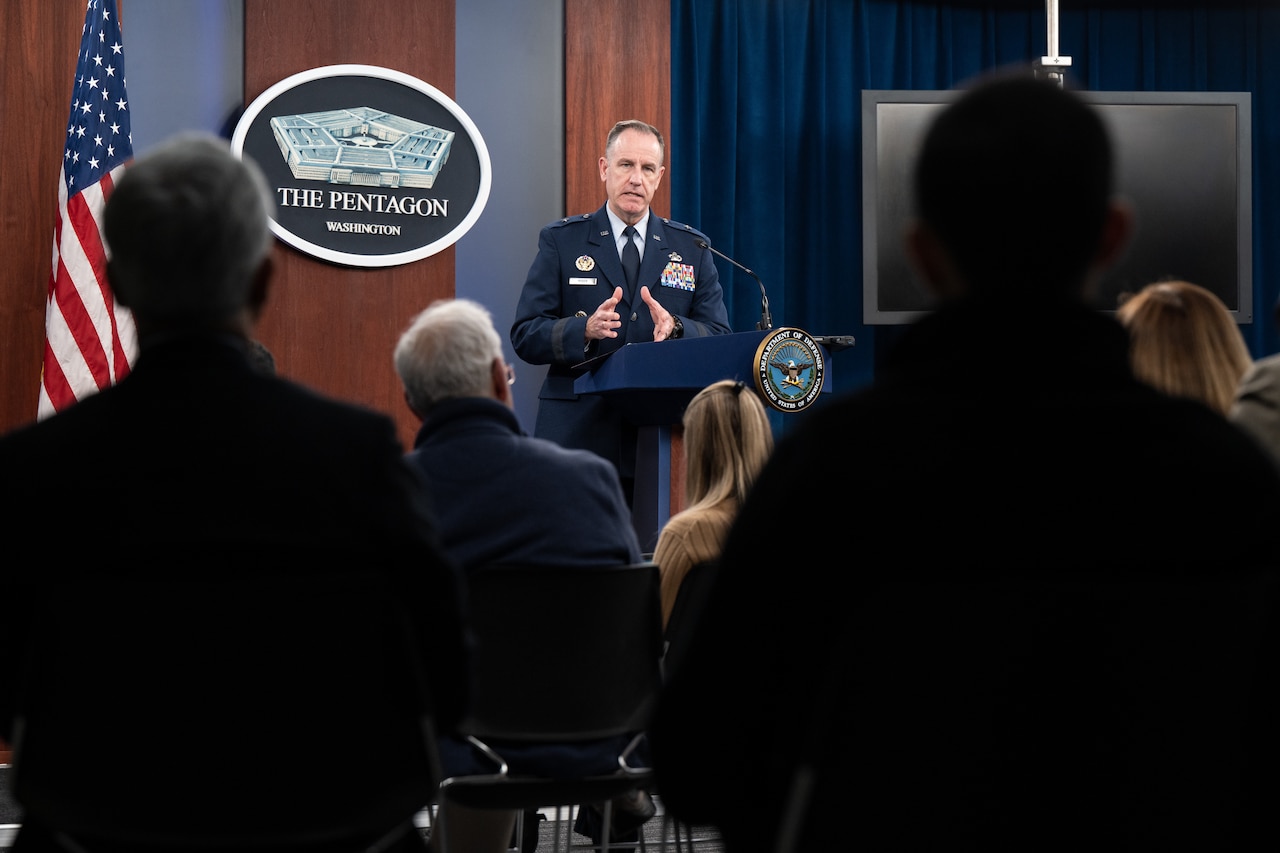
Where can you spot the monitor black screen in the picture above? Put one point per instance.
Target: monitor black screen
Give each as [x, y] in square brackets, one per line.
[1183, 159]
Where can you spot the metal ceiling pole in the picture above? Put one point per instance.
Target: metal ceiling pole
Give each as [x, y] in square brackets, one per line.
[1052, 66]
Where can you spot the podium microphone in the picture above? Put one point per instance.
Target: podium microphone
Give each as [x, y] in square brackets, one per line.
[766, 319]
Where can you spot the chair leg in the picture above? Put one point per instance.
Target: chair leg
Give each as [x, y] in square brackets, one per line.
[681, 834]
[606, 825]
[688, 832]
[606, 830]
[560, 826]
[517, 835]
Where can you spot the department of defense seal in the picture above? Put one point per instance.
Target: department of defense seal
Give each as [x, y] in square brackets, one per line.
[789, 369]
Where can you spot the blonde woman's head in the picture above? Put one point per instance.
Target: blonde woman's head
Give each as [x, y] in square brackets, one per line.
[727, 439]
[1183, 341]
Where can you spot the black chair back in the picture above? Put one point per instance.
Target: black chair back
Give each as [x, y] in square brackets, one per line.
[681, 624]
[563, 654]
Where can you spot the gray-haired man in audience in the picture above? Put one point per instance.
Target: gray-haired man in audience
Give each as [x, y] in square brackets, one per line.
[555, 506]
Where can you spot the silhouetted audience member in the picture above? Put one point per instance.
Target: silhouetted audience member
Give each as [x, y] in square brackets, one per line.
[727, 439]
[556, 506]
[147, 480]
[1256, 408]
[1044, 622]
[1183, 341]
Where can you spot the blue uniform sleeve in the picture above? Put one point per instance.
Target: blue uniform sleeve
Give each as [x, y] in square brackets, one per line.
[545, 329]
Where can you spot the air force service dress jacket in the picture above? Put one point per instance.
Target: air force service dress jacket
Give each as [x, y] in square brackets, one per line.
[577, 268]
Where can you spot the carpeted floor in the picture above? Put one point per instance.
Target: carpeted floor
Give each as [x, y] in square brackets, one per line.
[705, 839]
[10, 814]
[8, 808]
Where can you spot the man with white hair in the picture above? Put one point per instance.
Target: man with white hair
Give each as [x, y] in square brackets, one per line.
[472, 448]
[506, 497]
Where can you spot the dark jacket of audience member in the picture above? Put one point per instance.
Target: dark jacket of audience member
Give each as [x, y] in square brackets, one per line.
[1256, 408]
[501, 494]
[1048, 621]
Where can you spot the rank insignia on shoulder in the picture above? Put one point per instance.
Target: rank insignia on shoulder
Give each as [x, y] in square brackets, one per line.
[675, 256]
[585, 263]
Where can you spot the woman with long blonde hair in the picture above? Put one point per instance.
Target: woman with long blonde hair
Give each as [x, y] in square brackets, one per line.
[727, 439]
[1183, 341]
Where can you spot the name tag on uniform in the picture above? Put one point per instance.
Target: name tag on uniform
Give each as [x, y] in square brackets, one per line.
[581, 281]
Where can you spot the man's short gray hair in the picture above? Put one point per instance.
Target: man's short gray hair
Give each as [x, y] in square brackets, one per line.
[640, 127]
[186, 228]
[447, 351]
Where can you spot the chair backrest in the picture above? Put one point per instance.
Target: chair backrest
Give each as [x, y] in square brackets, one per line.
[258, 714]
[563, 654]
[690, 598]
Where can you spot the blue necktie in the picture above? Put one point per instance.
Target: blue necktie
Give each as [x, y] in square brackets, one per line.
[630, 257]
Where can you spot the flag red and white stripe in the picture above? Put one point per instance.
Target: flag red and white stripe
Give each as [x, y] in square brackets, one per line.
[90, 340]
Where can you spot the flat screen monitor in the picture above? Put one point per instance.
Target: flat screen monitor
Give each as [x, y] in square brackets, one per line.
[1183, 159]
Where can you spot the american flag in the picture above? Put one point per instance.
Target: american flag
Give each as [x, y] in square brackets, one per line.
[90, 341]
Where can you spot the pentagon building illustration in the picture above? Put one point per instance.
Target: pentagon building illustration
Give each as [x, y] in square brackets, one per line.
[362, 146]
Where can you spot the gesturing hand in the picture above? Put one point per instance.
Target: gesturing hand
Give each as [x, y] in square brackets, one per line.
[663, 322]
[605, 321]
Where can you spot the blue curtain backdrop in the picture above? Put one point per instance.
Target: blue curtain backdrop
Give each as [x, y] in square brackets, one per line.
[766, 125]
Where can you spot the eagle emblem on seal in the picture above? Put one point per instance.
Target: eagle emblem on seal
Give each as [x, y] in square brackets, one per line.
[791, 370]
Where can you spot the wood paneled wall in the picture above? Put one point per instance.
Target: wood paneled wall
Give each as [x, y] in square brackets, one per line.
[334, 328]
[38, 46]
[328, 326]
[617, 65]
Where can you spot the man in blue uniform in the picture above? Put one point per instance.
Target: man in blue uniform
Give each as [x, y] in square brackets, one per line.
[579, 301]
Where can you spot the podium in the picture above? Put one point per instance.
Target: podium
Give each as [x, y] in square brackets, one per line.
[650, 384]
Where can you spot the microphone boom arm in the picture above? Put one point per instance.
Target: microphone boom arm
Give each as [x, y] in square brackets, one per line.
[766, 319]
